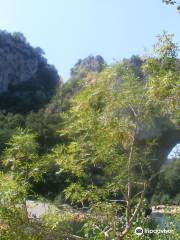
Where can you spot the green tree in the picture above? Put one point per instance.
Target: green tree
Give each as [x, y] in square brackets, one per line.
[103, 159]
[12, 216]
[102, 155]
[14, 223]
[21, 156]
[163, 76]
[21, 159]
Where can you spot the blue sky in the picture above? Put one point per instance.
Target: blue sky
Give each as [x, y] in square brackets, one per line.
[71, 29]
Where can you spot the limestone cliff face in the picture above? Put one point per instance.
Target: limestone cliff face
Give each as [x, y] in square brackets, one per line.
[27, 81]
[19, 61]
[89, 64]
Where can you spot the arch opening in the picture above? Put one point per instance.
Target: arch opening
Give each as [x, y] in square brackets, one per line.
[174, 153]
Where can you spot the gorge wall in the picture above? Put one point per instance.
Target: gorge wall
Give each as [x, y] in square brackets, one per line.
[25, 74]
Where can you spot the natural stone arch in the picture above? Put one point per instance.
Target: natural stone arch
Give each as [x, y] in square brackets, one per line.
[164, 133]
[166, 136]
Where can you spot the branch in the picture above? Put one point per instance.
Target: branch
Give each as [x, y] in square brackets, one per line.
[76, 237]
[132, 109]
[127, 228]
[139, 204]
[137, 207]
[118, 201]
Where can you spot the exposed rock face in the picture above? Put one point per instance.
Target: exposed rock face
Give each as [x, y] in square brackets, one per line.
[19, 62]
[135, 62]
[91, 64]
[155, 128]
[165, 135]
[27, 81]
[83, 71]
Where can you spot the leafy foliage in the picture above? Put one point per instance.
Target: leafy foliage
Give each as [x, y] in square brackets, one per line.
[21, 156]
[102, 154]
[86, 146]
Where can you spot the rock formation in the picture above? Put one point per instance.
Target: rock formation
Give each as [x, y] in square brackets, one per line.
[24, 73]
[89, 64]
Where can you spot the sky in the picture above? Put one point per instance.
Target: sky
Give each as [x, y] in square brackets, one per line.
[175, 152]
[68, 30]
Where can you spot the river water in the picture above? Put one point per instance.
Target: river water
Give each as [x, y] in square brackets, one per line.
[165, 221]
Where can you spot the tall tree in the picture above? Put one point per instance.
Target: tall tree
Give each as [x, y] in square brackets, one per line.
[105, 163]
[102, 156]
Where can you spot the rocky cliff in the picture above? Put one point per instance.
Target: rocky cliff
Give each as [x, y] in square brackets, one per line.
[89, 64]
[24, 73]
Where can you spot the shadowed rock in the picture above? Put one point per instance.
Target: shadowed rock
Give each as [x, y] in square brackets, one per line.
[25, 75]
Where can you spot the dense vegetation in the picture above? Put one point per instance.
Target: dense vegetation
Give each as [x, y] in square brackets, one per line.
[87, 143]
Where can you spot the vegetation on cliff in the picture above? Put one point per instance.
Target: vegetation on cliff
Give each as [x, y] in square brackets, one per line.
[97, 142]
